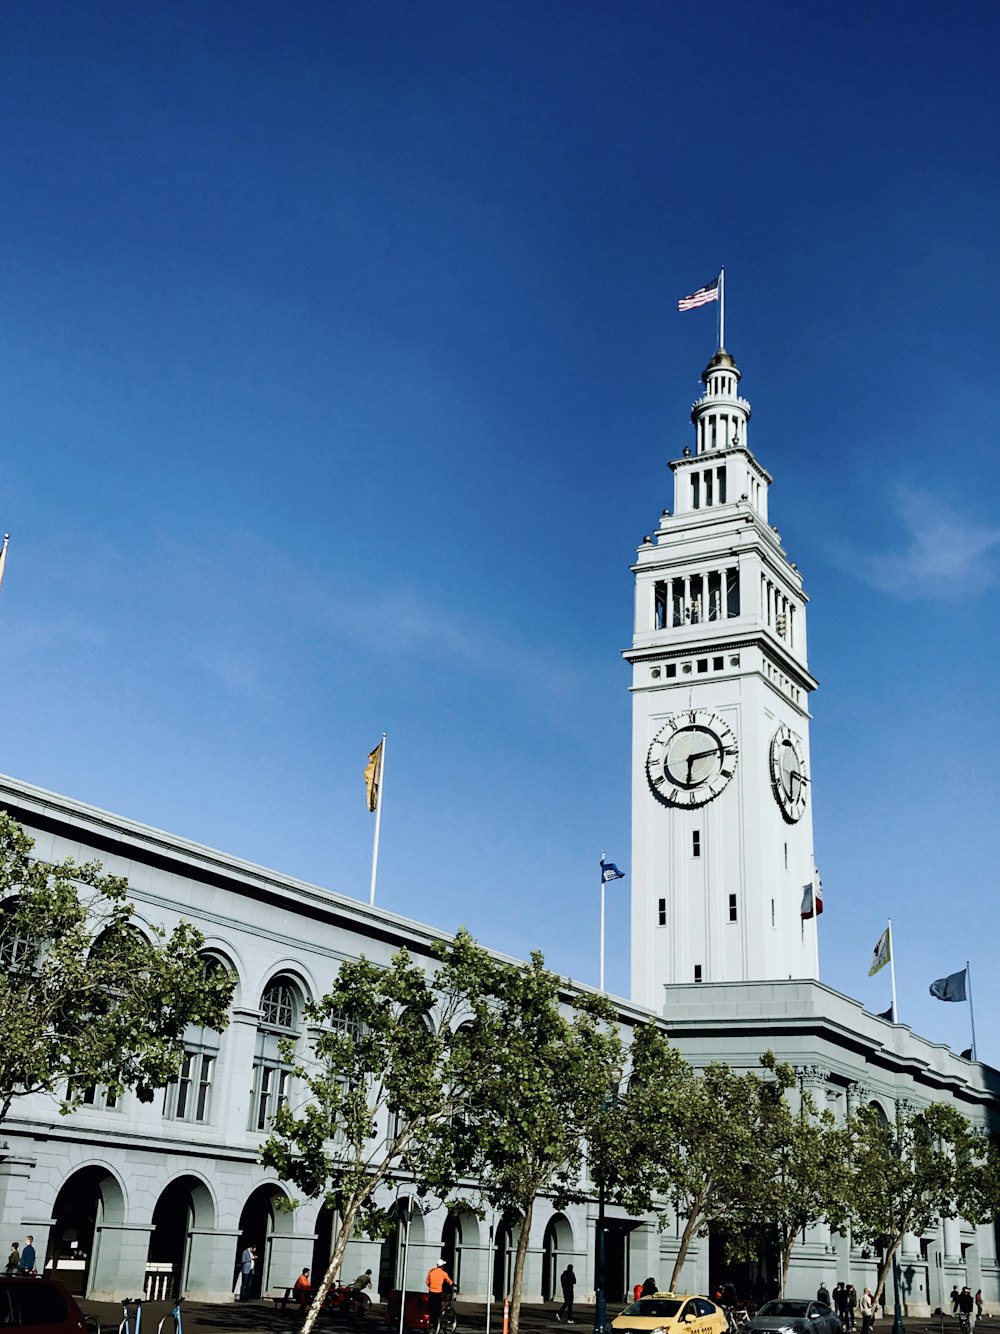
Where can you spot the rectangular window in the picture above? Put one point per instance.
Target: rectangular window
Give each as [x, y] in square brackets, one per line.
[732, 592]
[677, 602]
[696, 843]
[270, 1092]
[662, 912]
[660, 596]
[717, 664]
[720, 478]
[697, 972]
[670, 669]
[732, 907]
[703, 664]
[695, 491]
[189, 1096]
[786, 856]
[708, 486]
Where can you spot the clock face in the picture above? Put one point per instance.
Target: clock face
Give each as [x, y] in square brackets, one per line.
[692, 758]
[788, 773]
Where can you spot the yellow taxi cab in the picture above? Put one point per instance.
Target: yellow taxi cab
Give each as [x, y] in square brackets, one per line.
[672, 1313]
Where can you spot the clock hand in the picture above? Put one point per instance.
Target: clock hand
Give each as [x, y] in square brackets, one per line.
[801, 777]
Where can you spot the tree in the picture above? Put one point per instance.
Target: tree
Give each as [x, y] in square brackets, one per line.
[929, 1164]
[536, 1065]
[381, 1092]
[809, 1178]
[696, 1142]
[85, 998]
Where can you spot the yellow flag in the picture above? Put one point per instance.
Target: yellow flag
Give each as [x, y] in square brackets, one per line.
[373, 776]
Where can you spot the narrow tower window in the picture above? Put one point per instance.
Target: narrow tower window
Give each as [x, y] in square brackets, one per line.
[662, 912]
[733, 592]
[720, 478]
[732, 907]
[697, 972]
[661, 595]
[695, 491]
[696, 843]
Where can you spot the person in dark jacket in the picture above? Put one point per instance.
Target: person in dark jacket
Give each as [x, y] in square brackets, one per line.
[568, 1280]
[649, 1287]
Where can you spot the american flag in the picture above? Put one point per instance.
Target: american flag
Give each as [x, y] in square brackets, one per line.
[710, 292]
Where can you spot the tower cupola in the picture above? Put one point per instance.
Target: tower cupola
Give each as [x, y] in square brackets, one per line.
[720, 416]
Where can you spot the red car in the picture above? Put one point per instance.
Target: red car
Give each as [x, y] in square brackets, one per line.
[40, 1304]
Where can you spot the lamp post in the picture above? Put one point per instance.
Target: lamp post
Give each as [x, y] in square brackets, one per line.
[897, 1315]
[600, 1299]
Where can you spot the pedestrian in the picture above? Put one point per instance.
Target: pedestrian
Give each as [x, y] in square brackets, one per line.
[851, 1304]
[954, 1299]
[838, 1295]
[567, 1280]
[438, 1283]
[979, 1303]
[965, 1305]
[28, 1256]
[303, 1288]
[248, 1261]
[867, 1311]
[14, 1259]
[729, 1295]
[650, 1288]
[823, 1294]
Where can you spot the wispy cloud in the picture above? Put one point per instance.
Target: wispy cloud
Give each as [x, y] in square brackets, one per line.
[941, 551]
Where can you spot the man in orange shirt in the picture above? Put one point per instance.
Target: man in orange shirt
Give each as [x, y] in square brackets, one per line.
[438, 1283]
[303, 1288]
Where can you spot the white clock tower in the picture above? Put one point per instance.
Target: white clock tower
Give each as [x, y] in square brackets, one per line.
[722, 844]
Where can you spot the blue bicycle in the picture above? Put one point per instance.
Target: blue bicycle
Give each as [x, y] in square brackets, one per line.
[131, 1315]
[171, 1322]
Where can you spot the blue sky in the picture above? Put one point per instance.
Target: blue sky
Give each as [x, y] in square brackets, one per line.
[339, 369]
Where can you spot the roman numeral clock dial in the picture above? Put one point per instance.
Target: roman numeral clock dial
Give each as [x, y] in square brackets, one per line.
[788, 774]
[692, 758]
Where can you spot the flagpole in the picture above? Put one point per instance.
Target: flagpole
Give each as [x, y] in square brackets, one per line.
[722, 307]
[603, 888]
[972, 1017]
[378, 821]
[892, 974]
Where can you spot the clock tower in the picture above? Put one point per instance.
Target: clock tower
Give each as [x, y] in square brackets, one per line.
[722, 845]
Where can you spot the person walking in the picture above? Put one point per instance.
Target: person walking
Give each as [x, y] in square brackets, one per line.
[248, 1261]
[851, 1305]
[14, 1259]
[954, 1299]
[568, 1281]
[867, 1311]
[839, 1293]
[28, 1261]
[823, 1294]
[438, 1283]
[965, 1305]
[979, 1303]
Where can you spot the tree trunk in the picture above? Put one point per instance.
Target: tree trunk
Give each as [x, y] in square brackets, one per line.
[886, 1269]
[333, 1268]
[786, 1260]
[690, 1229]
[522, 1251]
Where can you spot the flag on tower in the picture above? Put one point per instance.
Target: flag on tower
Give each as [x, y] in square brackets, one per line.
[3, 555]
[812, 898]
[373, 776]
[609, 871]
[882, 953]
[710, 292]
[950, 988]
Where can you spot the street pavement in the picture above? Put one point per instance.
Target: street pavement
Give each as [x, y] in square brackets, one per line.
[261, 1317]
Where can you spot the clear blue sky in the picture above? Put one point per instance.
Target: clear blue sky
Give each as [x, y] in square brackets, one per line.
[339, 369]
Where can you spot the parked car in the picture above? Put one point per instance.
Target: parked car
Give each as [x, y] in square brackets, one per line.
[40, 1304]
[672, 1313]
[787, 1315]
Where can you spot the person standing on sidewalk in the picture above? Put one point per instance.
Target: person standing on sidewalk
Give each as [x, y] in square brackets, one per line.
[568, 1280]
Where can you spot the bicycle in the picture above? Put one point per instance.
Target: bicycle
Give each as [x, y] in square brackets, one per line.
[447, 1321]
[171, 1322]
[739, 1318]
[964, 1322]
[134, 1315]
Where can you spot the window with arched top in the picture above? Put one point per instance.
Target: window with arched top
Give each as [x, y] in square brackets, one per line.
[16, 949]
[189, 1096]
[280, 1013]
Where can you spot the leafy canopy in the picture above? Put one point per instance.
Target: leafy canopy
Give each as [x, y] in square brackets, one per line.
[85, 998]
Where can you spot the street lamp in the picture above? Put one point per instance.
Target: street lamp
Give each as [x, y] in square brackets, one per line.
[600, 1300]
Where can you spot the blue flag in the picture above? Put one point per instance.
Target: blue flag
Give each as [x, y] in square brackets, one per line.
[609, 871]
[950, 988]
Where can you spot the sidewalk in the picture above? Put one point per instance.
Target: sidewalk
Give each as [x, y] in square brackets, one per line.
[260, 1317]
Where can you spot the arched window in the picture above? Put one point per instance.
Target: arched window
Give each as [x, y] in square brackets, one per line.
[280, 1011]
[15, 948]
[189, 1097]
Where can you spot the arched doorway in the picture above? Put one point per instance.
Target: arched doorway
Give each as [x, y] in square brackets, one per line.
[183, 1205]
[88, 1199]
[451, 1247]
[557, 1247]
[261, 1222]
[396, 1258]
[503, 1256]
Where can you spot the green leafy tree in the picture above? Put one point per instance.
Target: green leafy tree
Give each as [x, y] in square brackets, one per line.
[536, 1064]
[694, 1142]
[928, 1164]
[85, 998]
[381, 1091]
[805, 1176]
